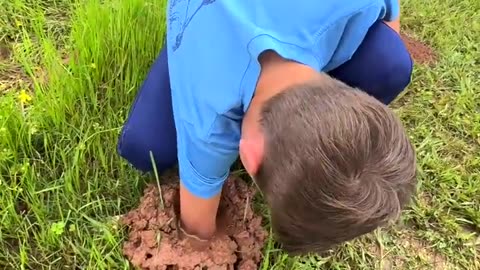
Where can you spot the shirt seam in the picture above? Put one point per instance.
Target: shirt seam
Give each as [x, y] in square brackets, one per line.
[252, 59]
[320, 33]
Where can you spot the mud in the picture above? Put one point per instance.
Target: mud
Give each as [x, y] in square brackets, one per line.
[421, 52]
[153, 241]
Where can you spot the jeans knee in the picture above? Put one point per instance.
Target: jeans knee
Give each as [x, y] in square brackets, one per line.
[396, 75]
[400, 72]
[135, 149]
[381, 66]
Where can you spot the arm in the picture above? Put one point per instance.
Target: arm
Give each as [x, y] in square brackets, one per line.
[198, 215]
[204, 165]
[395, 23]
[207, 133]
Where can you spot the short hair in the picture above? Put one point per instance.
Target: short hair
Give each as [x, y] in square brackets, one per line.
[337, 164]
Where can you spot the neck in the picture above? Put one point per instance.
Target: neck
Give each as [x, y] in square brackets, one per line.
[277, 74]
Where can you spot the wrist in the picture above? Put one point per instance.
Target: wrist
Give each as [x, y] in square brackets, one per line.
[192, 234]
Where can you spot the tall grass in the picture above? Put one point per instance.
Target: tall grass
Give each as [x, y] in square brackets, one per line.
[60, 175]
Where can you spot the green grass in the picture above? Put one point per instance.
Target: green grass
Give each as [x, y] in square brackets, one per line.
[61, 179]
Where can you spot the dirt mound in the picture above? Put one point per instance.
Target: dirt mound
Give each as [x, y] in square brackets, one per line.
[153, 241]
[421, 53]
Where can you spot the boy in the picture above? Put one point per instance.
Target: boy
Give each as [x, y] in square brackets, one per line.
[299, 91]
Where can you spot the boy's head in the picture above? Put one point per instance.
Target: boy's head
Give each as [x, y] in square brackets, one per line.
[333, 163]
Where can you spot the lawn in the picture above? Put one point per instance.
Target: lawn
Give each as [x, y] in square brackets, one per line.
[69, 71]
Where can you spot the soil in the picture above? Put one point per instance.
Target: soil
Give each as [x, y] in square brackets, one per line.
[4, 52]
[12, 76]
[410, 249]
[421, 52]
[153, 241]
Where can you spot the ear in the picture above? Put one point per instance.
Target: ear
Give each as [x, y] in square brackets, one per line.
[251, 154]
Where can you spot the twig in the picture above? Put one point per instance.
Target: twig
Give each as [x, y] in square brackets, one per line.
[381, 248]
[158, 237]
[162, 206]
[247, 202]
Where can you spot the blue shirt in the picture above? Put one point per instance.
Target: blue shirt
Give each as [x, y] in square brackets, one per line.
[213, 47]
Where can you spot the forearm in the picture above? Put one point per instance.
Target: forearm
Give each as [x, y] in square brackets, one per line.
[198, 215]
[202, 175]
[395, 24]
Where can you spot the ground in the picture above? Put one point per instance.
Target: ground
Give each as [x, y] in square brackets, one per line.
[69, 71]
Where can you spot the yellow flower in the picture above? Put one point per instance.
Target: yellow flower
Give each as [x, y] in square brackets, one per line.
[24, 97]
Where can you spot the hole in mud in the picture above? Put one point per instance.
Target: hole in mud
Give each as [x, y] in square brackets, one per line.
[236, 265]
[21, 207]
[137, 243]
[148, 256]
[176, 203]
[4, 52]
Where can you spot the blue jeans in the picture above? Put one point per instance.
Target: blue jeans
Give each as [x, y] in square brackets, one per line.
[381, 66]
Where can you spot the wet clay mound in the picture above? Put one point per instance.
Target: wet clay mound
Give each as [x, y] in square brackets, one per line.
[421, 53]
[153, 241]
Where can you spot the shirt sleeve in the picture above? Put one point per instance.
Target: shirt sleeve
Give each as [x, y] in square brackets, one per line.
[206, 62]
[393, 10]
[204, 163]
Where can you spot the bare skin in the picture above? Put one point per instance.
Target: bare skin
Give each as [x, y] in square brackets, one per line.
[395, 25]
[198, 216]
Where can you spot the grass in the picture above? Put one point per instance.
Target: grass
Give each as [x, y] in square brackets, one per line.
[81, 62]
